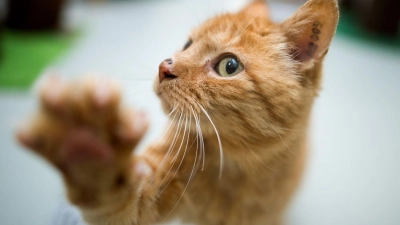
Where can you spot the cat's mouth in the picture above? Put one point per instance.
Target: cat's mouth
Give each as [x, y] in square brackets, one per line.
[173, 98]
[169, 76]
[165, 76]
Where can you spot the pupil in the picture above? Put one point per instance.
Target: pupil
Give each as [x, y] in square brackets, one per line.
[231, 66]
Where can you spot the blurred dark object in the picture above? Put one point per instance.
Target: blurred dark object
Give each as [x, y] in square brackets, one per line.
[379, 16]
[1, 39]
[345, 4]
[2, 16]
[34, 15]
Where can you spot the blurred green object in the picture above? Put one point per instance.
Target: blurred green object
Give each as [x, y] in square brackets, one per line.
[26, 55]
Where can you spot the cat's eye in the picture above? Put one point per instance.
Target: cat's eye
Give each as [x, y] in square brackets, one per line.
[229, 66]
[188, 44]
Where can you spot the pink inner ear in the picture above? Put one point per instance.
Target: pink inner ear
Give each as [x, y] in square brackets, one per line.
[300, 54]
[311, 43]
[306, 51]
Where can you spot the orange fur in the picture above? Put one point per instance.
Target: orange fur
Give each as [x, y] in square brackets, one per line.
[236, 147]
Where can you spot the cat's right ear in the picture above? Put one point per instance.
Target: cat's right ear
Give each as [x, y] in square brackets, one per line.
[258, 8]
[311, 29]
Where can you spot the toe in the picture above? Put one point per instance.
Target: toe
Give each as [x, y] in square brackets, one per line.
[52, 94]
[133, 126]
[105, 93]
[27, 139]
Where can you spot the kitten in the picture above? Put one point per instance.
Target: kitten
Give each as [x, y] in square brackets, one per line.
[238, 96]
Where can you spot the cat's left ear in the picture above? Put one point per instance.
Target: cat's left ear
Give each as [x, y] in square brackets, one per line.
[311, 29]
[258, 8]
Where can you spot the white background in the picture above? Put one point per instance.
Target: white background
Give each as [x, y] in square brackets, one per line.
[353, 170]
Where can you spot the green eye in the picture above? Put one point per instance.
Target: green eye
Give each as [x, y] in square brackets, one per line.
[229, 66]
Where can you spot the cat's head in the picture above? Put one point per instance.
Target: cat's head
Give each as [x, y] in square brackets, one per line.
[251, 76]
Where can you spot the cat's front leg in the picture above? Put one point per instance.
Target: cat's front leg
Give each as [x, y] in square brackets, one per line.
[84, 132]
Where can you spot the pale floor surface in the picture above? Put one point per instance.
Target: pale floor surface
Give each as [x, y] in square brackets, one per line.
[352, 175]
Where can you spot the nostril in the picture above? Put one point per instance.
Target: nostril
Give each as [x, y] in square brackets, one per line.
[166, 70]
[169, 61]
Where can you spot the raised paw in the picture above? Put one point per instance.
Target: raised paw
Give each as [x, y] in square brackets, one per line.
[82, 129]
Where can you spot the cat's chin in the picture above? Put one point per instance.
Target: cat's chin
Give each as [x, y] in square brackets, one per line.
[167, 108]
[169, 103]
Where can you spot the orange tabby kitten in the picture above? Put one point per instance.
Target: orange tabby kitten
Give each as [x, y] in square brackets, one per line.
[235, 95]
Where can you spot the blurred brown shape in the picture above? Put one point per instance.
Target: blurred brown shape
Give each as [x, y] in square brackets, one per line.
[34, 15]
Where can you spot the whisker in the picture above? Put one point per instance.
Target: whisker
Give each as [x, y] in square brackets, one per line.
[281, 138]
[235, 35]
[287, 129]
[219, 139]
[203, 152]
[169, 136]
[201, 139]
[165, 132]
[197, 130]
[170, 149]
[176, 155]
[199, 142]
[245, 28]
[180, 164]
[258, 158]
[184, 190]
[183, 139]
[180, 126]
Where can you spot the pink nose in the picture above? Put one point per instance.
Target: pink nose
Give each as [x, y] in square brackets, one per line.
[165, 70]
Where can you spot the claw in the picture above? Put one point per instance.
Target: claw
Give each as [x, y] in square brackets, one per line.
[25, 137]
[140, 122]
[135, 126]
[105, 92]
[102, 93]
[52, 92]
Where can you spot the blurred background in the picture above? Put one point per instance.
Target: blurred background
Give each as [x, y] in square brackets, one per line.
[353, 171]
